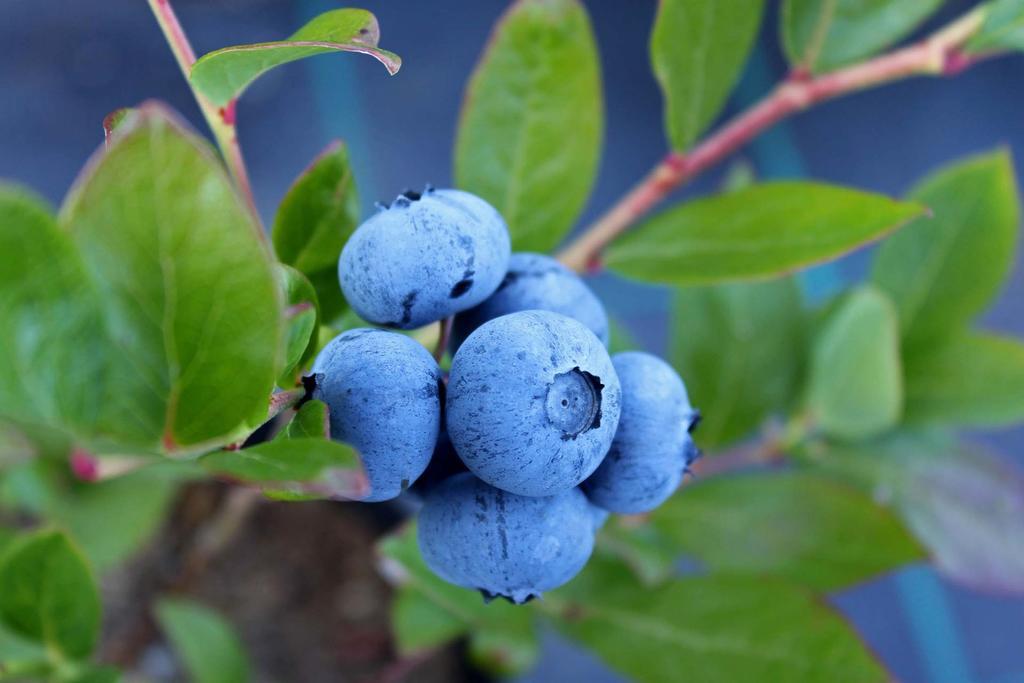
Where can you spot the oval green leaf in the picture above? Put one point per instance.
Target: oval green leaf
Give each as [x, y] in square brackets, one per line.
[302, 320]
[973, 379]
[943, 270]
[46, 301]
[315, 219]
[721, 629]
[300, 468]
[1003, 28]
[205, 642]
[318, 214]
[190, 308]
[963, 503]
[311, 420]
[855, 385]
[529, 138]
[47, 594]
[112, 122]
[222, 75]
[821, 35]
[739, 347]
[429, 612]
[698, 50]
[795, 525]
[93, 513]
[760, 232]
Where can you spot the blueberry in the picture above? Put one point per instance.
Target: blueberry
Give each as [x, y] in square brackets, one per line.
[476, 536]
[533, 402]
[598, 516]
[536, 282]
[383, 394]
[424, 258]
[652, 447]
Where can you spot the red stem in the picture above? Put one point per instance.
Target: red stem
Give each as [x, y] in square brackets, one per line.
[175, 33]
[937, 55]
[443, 338]
[220, 120]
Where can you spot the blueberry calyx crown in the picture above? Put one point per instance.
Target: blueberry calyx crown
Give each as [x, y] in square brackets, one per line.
[406, 199]
[489, 596]
[573, 402]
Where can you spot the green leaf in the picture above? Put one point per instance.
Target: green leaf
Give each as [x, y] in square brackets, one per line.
[302, 320]
[21, 655]
[821, 35]
[301, 468]
[698, 50]
[222, 75]
[189, 304]
[507, 645]
[856, 387]
[333, 307]
[428, 612]
[318, 214]
[1003, 28]
[739, 348]
[94, 513]
[45, 301]
[6, 536]
[760, 232]
[112, 122]
[793, 525]
[529, 139]
[942, 271]
[715, 628]
[206, 643]
[315, 219]
[311, 421]
[964, 504]
[15, 447]
[47, 593]
[96, 674]
[643, 548]
[973, 379]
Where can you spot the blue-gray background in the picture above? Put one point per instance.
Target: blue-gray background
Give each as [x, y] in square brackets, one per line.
[64, 64]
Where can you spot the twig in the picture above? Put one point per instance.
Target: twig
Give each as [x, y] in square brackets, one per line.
[443, 338]
[761, 452]
[221, 120]
[939, 55]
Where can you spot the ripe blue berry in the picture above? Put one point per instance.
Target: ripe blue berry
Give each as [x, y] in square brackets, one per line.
[424, 258]
[652, 447]
[533, 402]
[476, 536]
[536, 282]
[382, 392]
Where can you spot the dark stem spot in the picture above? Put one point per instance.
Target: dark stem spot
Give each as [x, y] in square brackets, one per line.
[461, 287]
[407, 303]
[694, 421]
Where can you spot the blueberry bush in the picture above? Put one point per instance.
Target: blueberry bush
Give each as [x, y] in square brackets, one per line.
[154, 334]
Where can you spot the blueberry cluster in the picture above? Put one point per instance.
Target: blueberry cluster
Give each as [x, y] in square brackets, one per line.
[535, 435]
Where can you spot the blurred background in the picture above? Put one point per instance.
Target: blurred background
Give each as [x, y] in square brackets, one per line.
[65, 64]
